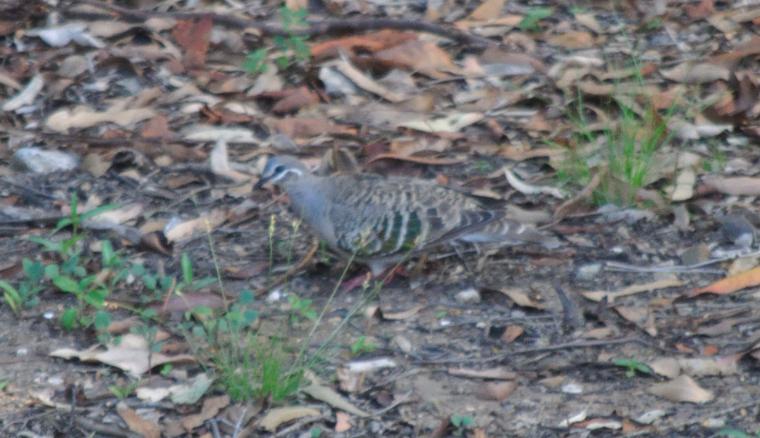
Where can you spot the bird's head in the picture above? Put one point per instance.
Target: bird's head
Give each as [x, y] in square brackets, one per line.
[282, 170]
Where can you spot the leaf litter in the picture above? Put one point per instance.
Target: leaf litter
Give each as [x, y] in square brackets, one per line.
[158, 109]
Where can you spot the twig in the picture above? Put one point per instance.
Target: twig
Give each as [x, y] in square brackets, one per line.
[505, 355]
[104, 429]
[299, 424]
[684, 268]
[319, 28]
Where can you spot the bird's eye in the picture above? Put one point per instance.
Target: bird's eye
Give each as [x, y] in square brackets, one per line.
[279, 169]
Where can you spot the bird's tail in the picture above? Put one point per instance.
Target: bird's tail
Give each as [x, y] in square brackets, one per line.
[510, 232]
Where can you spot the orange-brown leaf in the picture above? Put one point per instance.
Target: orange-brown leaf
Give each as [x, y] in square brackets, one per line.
[373, 42]
[733, 283]
[194, 38]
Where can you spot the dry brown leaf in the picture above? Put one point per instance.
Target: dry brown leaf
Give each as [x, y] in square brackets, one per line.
[641, 316]
[365, 82]
[350, 382]
[371, 43]
[488, 10]
[220, 165]
[189, 301]
[666, 366]
[682, 389]
[66, 118]
[211, 407]
[158, 127]
[704, 9]
[708, 366]
[452, 122]
[299, 98]
[733, 186]
[332, 398]
[421, 56]
[136, 423]
[732, 284]
[194, 37]
[511, 333]
[504, 21]
[498, 61]
[277, 416]
[156, 241]
[497, 390]
[95, 164]
[246, 271]
[696, 74]
[631, 290]
[194, 227]
[491, 373]
[589, 20]
[522, 299]
[133, 355]
[404, 314]
[296, 127]
[598, 333]
[573, 40]
[341, 422]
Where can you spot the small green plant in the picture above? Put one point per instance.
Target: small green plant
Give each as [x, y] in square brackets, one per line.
[623, 153]
[530, 22]
[300, 307]
[257, 371]
[188, 284]
[461, 424]
[123, 393]
[256, 63]
[71, 275]
[292, 48]
[361, 346]
[25, 294]
[325, 256]
[632, 366]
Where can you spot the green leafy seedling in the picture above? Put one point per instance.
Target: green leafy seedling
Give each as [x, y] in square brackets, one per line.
[256, 62]
[123, 393]
[25, 294]
[361, 346]
[530, 22]
[632, 366]
[461, 424]
[300, 306]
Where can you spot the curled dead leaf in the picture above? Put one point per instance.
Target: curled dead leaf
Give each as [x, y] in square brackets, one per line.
[682, 389]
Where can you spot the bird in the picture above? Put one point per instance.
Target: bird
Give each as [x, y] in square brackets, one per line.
[381, 221]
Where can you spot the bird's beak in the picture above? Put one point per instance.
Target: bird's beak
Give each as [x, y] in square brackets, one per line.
[260, 183]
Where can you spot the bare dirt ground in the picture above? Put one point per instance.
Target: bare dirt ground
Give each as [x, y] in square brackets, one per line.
[521, 340]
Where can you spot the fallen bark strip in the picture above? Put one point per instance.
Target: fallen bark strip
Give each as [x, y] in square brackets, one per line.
[316, 28]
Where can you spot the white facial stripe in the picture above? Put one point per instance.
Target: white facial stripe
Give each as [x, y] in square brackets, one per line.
[283, 174]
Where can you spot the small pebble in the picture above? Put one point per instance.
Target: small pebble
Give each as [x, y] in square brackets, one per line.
[715, 423]
[572, 388]
[468, 296]
[403, 344]
[42, 162]
[274, 296]
[588, 272]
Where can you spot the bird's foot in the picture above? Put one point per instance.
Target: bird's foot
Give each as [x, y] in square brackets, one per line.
[361, 280]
